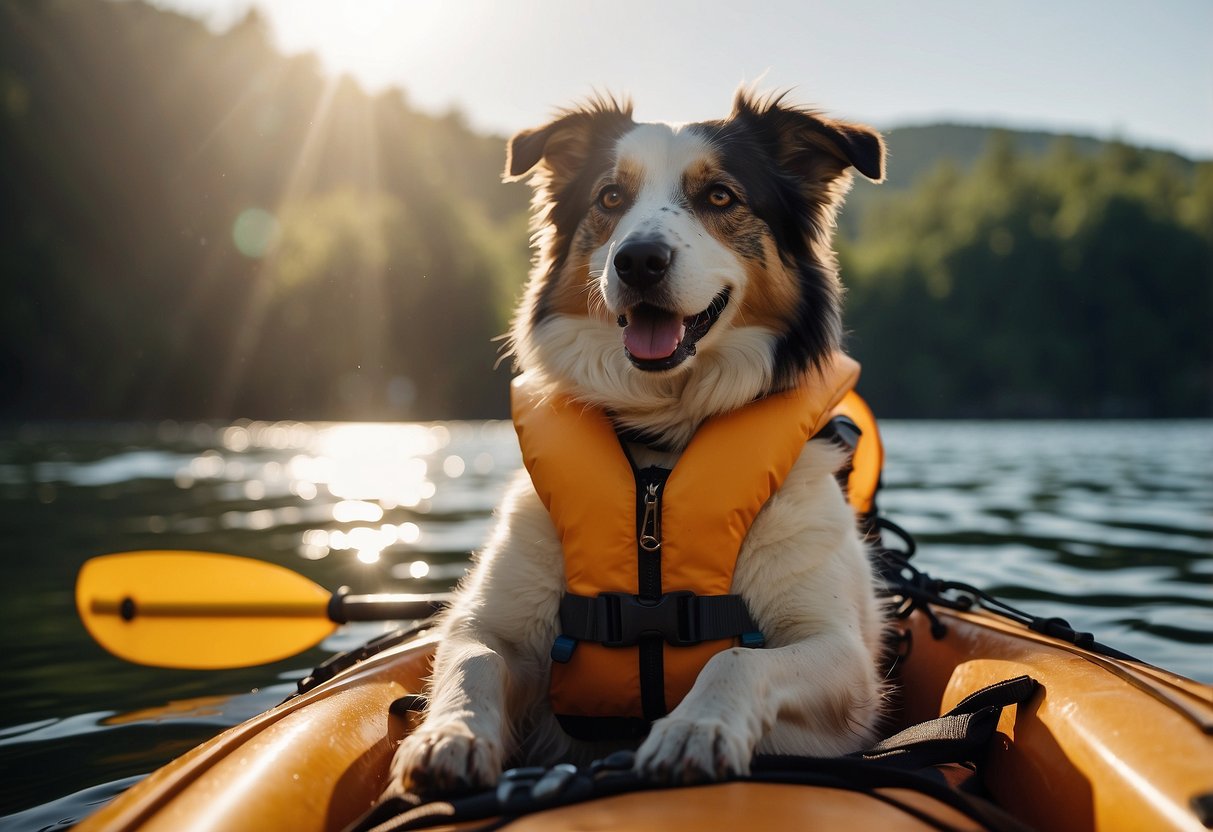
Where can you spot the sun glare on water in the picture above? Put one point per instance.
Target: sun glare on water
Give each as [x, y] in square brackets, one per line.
[347, 479]
[371, 469]
[383, 494]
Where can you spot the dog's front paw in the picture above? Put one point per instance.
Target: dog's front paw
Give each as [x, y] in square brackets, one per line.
[685, 751]
[446, 758]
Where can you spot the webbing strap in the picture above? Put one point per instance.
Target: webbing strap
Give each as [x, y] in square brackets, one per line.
[523, 792]
[617, 619]
[961, 734]
[998, 695]
[907, 760]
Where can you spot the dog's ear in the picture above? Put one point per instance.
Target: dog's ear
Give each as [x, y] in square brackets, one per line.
[861, 146]
[815, 147]
[565, 145]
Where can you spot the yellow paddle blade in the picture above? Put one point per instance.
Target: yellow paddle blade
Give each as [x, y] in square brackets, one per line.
[199, 610]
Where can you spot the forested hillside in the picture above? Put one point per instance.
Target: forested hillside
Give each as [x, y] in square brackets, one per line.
[1059, 285]
[916, 151]
[198, 227]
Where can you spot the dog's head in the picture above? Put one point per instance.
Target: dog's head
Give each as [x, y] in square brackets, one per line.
[672, 254]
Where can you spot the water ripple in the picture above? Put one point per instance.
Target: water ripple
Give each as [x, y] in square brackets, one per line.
[1109, 525]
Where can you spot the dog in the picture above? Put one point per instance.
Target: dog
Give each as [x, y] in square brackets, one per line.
[710, 245]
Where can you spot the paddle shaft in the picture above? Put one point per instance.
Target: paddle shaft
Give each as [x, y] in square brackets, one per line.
[386, 607]
[340, 609]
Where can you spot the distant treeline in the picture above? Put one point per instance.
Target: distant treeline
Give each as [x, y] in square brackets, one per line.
[1067, 284]
[198, 227]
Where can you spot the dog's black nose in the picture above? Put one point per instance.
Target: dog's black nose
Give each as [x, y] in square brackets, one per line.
[642, 263]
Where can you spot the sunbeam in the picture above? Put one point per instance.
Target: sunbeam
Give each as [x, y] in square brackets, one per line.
[248, 331]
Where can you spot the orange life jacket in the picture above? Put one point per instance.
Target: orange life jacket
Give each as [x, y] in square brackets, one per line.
[616, 547]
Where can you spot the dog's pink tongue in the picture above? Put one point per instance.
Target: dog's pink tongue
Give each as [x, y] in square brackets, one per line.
[652, 333]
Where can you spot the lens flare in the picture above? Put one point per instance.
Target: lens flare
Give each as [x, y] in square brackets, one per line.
[254, 232]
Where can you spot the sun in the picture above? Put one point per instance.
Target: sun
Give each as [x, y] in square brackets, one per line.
[379, 42]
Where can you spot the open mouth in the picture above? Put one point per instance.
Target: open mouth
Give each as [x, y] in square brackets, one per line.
[658, 339]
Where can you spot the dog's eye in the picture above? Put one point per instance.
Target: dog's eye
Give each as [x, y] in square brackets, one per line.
[610, 198]
[720, 197]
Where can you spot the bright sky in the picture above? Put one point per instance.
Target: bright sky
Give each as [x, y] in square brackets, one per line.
[1110, 68]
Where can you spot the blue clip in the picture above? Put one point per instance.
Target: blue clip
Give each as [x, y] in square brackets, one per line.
[562, 649]
[754, 639]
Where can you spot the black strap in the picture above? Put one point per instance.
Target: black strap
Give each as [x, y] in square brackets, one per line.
[522, 792]
[617, 619]
[998, 695]
[908, 760]
[962, 734]
[651, 655]
[842, 430]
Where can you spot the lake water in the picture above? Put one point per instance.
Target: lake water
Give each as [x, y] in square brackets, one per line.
[1107, 524]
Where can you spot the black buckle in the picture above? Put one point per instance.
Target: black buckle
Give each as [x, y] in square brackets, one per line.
[524, 790]
[628, 617]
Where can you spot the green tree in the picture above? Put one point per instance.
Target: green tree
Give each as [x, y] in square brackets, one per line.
[1062, 285]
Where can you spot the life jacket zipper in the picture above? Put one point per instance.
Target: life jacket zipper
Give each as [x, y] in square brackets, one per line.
[650, 650]
[650, 483]
[650, 524]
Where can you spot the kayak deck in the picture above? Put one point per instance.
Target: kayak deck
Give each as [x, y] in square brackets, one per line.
[1105, 744]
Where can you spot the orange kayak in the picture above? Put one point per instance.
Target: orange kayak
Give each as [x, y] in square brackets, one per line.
[1104, 743]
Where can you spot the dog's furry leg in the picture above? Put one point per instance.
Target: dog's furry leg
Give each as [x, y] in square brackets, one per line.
[463, 742]
[490, 665]
[815, 689]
